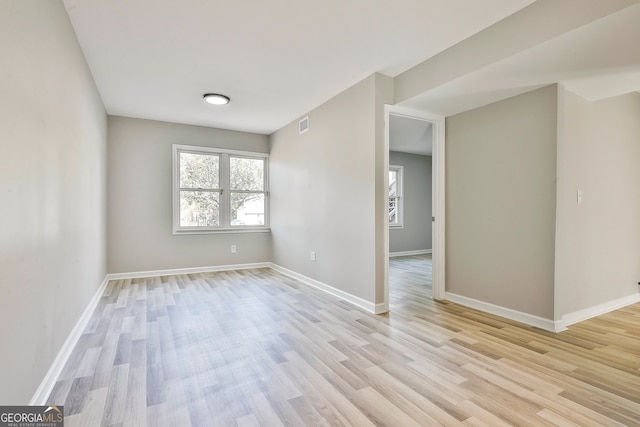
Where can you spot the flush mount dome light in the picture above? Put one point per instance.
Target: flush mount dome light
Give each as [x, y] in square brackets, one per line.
[216, 98]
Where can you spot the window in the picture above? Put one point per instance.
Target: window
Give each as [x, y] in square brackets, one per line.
[219, 190]
[395, 196]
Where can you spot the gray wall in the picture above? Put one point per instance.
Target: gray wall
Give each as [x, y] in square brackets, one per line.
[416, 233]
[500, 202]
[52, 191]
[598, 243]
[324, 186]
[139, 199]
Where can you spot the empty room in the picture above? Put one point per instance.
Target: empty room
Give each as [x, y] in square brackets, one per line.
[350, 213]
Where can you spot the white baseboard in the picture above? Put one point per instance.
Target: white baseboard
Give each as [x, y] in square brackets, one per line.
[588, 313]
[189, 270]
[357, 301]
[50, 379]
[380, 308]
[410, 253]
[518, 316]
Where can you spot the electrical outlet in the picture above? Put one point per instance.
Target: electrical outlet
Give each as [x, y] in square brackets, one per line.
[233, 249]
[312, 257]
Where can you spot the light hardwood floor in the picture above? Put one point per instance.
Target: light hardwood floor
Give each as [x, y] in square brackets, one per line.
[253, 347]
[408, 271]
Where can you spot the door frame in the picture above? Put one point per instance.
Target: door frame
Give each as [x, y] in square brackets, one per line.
[437, 195]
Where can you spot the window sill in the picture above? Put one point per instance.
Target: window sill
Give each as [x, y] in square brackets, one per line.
[224, 231]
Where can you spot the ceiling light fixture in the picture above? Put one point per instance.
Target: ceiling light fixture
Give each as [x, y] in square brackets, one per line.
[216, 99]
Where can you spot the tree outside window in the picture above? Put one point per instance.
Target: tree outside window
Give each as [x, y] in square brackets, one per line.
[395, 196]
[219, 189]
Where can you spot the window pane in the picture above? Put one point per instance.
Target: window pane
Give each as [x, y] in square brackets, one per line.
[199, 209]
[246, 174]
[393, 183]
[199, 170]
[393, 212]
[247, 209]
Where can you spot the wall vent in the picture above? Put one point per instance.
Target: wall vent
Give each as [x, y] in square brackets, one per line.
[303, 125]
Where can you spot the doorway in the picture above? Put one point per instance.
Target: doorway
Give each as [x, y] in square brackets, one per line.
[421, 121]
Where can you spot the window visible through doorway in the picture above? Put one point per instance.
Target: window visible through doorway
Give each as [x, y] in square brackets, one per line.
[395, 196]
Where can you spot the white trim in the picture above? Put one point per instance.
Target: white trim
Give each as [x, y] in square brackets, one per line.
[224, 190]
[410, 253]
[198, 149]
[189, 270]
[588, 313]
[357, 301]
[518, 316]
[438, 195]
[385, 215]
[258, 229]
[49, 381]
[438, 203]
[380, 308]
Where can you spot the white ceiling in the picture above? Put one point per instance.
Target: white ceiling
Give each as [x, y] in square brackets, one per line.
[596, 61]
[276, 59]
[408, 135]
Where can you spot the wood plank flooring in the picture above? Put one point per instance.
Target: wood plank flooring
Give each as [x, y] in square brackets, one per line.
[255, 348]
[406, 272]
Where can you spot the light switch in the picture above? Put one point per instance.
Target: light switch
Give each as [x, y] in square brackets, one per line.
[579, 196]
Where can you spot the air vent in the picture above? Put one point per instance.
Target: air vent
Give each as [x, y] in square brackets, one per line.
[303, 125]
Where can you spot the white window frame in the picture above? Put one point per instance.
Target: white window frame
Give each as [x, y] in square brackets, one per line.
[399, 196]
[225, 190]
